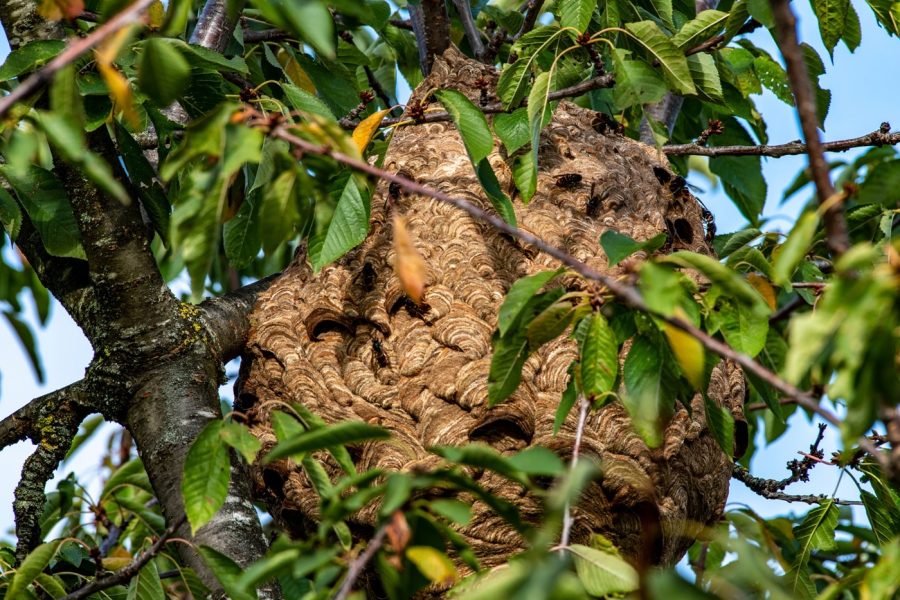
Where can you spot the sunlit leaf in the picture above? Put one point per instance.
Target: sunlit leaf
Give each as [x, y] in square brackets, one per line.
[432, 563]
[602, 573]
[688, 351]
[367, 128]
[207, 471]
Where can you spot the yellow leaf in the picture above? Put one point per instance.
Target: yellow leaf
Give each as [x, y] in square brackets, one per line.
[120, 92]
[366, 129]
[156, 15]
[408, 263]
[107, 52]
[687, 349]
[765, 289]
[54, 10]
[432, 563]
[295, 72]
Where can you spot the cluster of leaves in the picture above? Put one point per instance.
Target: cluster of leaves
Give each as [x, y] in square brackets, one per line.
[225, 199]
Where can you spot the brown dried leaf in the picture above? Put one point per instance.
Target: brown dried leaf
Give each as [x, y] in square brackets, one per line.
[408, 263]
[397, 531]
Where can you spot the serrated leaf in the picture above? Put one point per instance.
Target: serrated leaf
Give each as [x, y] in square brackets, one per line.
[525, 176]
[32, 565]
[207, 471]
[717, 273]
[518, 296]
[513, 82]
[648, 400]
[816, 532]
[26, 338]
[706, 24]
[241, 234]
[29, 57]
[349, 224]
[345, 432]
[491, 186]
[721, 424]
[688, 351]
[471, 123]
[537, 104]
[576, 13]
[744, 327]
[538, 460]
[367, 128]
[736, 240]
[239, 437]
[794, 249]
[306, 102]
[599, 357]
[773, 76]
[146, 585]
[550, 324]
[507, 359]
[512, 129]
[637, 83]
[602, 573]
[671, 59]
[705, 74]
[310, 20]
[433, 564]
[832, 16]
[618, 246]
[163, 72]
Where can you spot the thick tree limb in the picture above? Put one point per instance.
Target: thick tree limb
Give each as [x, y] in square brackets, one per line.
[837, 239]
[881, 137]
[25, 422]
[432, 28]
[75, 49]
[216, 24]
[22, 24]
[226, 317]
[125, 574]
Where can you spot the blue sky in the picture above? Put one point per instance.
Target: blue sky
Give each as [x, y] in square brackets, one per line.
[865, 88]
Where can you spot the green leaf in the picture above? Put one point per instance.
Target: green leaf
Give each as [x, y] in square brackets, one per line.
[163, 72]
[649, 396]
[707, 24]
[454, 510]
[549, 324]
[432, 563]
[601, 573]
[241, 235]
[525, 175]
[207, 471]
[512, 129]
[537, 104]
[143, 177]
[32, 565]
[618, 246]
[852, 35]
[45, 201]
[146, 585]
[637, 83]
[239, 437]
[569, 396]
[228, 572]
[882, 184]
[816, 532]
[279, 212]
[471, 123]
[349, 225]
[507, 359]
[491, 186]
[30, 57]
[745, 327]
[345, 432]
[538, 460]
[481, 456]
[671, 59]
[303, 101]
[310, 20]
[773, 76]
[576, 13]
[762, 12]
[10, 214]
[832, 16]
[513, 82]
[705, 74]
[599, 357]
[26, 338]
[794, 249]
[718, 274]
[735, 241]
[204, 137]
[721, 424]
[518, 296]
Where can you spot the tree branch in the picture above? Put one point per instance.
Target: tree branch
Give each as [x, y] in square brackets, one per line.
[472, 34]
[837, 239]
[357, 566]
[432, 28]
[584, 406]
[767, 488]
[226, 317]
[880, 137]
[25, 423]
[216, 24]
[70, 53]
[532, 11]
[125, 574]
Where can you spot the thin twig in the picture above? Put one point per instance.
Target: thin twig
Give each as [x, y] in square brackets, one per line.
[357, 566]
[880, 137]
[837, 239]
[463, 8]
[763, 488]
[125, 574]
[71, 52]
[531, 15]
[568, 519]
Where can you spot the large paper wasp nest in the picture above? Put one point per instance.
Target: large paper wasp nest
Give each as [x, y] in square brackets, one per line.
[347, 344]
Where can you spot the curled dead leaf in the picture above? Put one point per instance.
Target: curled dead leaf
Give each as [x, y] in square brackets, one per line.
[408, 264]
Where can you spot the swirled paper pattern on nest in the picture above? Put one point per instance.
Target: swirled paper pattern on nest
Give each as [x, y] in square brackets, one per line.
[347, 344]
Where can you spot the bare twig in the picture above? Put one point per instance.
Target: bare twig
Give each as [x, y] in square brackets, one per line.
[125, 574]
[881, 137]
[255, 36]
[568, 520]
[837, 239]
[472, 34]
[763, 487]
[24, 423]
[357, 566]
[531, 14]
[72, 51]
